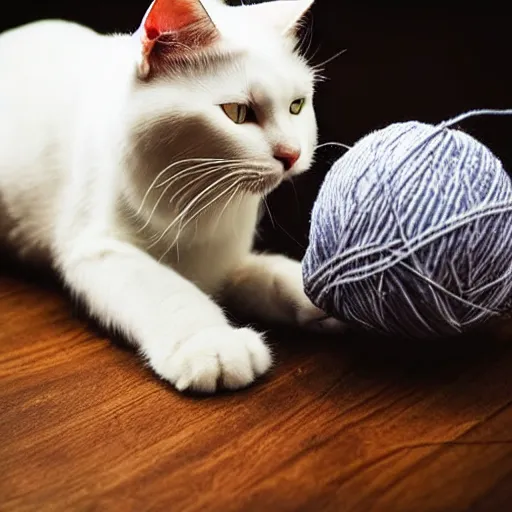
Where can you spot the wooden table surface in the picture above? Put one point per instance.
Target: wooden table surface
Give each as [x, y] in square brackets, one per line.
[342, 426]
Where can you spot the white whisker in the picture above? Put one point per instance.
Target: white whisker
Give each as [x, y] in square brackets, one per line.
[330, 59]
[219, 216]
[290, 236]
[269, 212]
[204, 164]
[168, 168]
[339, 144]
[170, 183]
[172, 180]
[192, 204]
[216, 198]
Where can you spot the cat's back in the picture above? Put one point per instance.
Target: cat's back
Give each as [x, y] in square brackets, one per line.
[42, 68]
[43, 71]
[46, 30]
[42, 47]
[52, 72]
[39, 37]
[40, 63]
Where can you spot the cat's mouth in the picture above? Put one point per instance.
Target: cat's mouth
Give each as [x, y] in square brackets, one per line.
[265, 183]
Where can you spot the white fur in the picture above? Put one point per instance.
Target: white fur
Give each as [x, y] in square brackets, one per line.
[83, 142]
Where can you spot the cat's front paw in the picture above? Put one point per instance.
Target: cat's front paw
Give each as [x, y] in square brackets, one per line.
[313, 319]
[294, 302]
[291, 290]
[221, 356]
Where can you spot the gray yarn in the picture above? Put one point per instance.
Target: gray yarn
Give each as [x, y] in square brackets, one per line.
[411, 233]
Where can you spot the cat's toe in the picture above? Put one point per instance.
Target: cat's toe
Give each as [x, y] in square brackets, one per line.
[232, 358]
[313, 319]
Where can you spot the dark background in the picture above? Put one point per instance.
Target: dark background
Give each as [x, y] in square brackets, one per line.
[402, 62]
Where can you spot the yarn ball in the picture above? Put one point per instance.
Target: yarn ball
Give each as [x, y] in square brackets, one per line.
[411, 234]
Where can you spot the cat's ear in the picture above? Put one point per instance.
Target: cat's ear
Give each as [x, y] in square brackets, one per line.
[172, 27]
[283, 15]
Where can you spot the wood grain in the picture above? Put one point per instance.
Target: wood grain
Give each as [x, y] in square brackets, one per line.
[352, 425]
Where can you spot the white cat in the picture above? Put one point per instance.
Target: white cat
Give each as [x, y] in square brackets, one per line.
[135, 165]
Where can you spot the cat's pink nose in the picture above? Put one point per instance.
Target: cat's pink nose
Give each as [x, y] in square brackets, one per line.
[287, 156]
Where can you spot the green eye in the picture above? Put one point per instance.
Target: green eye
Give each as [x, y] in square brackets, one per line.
[296, 106]
[237, 112]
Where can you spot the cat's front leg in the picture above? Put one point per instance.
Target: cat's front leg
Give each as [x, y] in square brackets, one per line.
[183, 334]
[270, 288]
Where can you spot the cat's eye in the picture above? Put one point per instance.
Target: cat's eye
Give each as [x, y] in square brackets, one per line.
[237, 112]
[296, 106]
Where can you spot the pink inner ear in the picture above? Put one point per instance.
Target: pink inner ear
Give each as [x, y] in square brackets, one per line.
[170, 16]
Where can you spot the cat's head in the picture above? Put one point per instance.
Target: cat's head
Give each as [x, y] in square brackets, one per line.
[223, 95]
